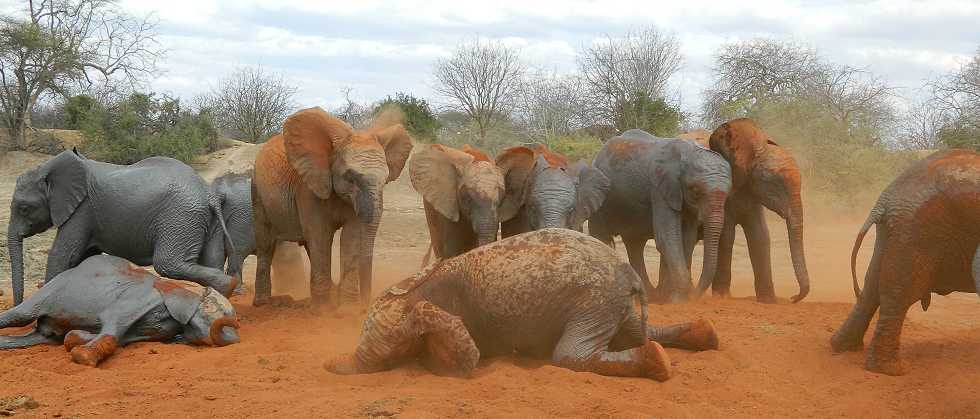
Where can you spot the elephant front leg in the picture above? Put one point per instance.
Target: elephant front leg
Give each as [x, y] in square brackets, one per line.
[634, 252]
[448, 347]
[757, 240]
[131, 305]
[69, 249]
[319, 248]
[670, 242]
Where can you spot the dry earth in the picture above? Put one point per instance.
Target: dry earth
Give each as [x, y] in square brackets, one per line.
[775, 360]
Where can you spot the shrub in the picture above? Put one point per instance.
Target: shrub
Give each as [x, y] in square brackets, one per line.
[416, 115]
[575, 147]
[142, 126]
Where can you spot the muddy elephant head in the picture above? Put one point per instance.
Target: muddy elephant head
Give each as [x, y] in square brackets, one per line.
[207, 317]
[769, 173]
[45, 196]
[548, 191]
[336, 161]
[461, 184]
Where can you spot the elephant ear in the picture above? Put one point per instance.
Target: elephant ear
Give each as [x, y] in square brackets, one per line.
[309, 137]
[182, 303]
[435, 172]
[67, 185]
[397, 145]
[516, 165]
[590, 192]
[666, 179]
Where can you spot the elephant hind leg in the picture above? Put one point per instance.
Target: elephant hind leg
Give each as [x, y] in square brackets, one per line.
[634, 252]
[900, 285]
[699, 335]
[585, 344]
[850, 336]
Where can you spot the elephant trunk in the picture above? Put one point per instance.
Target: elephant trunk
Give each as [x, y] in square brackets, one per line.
[486, 229]
[794, 226]
[369, 232]
[15, 245]
[714, 221]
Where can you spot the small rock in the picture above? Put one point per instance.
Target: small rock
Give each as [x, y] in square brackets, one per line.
[210, 398]
[263, 361]
[153, 351]
[276, 379]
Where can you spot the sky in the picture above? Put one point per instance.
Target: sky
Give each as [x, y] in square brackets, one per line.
[377, 48]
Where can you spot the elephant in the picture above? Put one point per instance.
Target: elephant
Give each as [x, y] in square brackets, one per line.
[676, 187]
[234, 193]
[928, 232]
[106, 302]
[316, 177]
[462, 191]
[546, 191]
[764, 175]
[154, 212]
[551, 293]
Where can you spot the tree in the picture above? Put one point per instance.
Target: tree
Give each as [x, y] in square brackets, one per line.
[415, 114]
[250, 104]
[356, 114]
[548, 105]
[656, 116]
[958, 95]
[480, 79]
[76, 108]
[65, 42]
[145, 125]
[615, 69]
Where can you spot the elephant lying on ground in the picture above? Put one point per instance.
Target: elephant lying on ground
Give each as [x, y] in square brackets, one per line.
[106, 302]
[154, 212]
[928, 232]
[549, 293]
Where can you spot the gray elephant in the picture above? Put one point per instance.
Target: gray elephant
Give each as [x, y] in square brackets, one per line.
[234, 193]
[154, 212]
[546, 191]
[676, 187]
[462, 191]
[549, 293]
[106, 302]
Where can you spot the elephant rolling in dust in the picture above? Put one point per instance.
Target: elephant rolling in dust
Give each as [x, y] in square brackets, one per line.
[552, 293]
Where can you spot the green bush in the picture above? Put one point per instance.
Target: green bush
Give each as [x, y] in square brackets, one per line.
[575, 147]
[416, 115]
[76, 108]
[142, 126]
[655, 116]
[960, 137]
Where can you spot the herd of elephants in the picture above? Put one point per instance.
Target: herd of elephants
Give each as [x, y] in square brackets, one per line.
[542, 289]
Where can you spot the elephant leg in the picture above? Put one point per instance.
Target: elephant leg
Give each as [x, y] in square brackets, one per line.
[757, 240]
[584, 346]
[319, 249]
[449, 349]
[77, 338]
[32, 338]
[850, 336]
[69, 249]
[20, 315]
[670, 242]
[904, 278]
[265, 250]
[350, 248]
[167, 264]
[599, 228]
[721, 286]
[699, 335]
[634, 252]
[131, 305]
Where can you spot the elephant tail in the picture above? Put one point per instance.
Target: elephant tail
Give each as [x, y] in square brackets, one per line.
[214, 202]
[873, 219]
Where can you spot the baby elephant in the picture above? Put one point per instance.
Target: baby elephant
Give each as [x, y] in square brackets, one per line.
[551, 292]
[928, 232]
[107, 302]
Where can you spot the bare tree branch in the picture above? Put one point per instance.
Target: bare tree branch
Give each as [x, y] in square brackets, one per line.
[250, 104]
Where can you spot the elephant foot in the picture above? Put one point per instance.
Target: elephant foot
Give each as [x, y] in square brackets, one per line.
[700, 336]
[76, 338]
[656, 362]
[895, 367]
[840, 344]
[260, 301]
[94, 352]
[766, 299]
